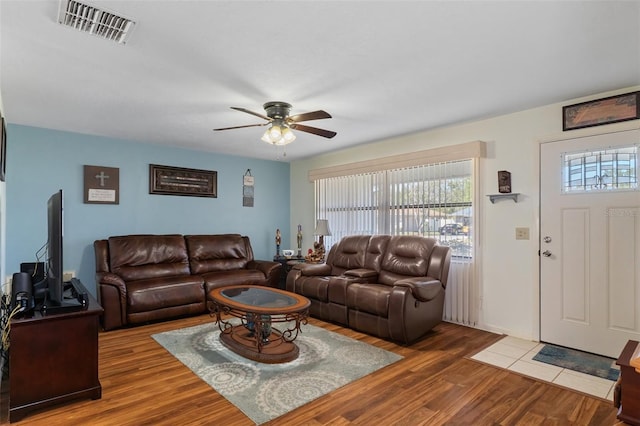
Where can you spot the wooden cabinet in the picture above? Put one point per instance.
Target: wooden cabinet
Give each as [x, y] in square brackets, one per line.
[287, 264]
[629, 386]
[53, 359]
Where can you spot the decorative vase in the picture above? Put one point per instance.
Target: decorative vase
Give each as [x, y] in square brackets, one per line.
[250, 324]
[266, 328]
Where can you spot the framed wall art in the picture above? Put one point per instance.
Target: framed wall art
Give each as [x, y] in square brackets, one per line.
[167, 180]
[608, 110]
[247, 189]
[101, 185]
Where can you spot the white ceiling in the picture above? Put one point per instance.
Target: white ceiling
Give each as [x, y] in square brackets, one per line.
[382, 68]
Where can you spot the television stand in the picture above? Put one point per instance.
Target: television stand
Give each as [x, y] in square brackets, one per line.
[75, 299]
[53, 359]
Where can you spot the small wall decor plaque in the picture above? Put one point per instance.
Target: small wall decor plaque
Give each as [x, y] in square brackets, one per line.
[247, 189]
[101, 185]
[504, 182]
[166, 180]
[608, 110]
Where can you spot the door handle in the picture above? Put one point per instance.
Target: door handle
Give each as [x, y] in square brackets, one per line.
[546, 253]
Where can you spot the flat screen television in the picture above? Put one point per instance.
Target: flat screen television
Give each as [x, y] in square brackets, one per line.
[55, 300]
[54, 264]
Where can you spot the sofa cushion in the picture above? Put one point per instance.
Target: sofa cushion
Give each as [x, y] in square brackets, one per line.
[156, 293]
[217, 279]
[137, 257]
[313, 287]
[338, 285]
[370, 298]
[361, 273]
[208, 253]
[406, 256]
[349, 254]
[375, 251]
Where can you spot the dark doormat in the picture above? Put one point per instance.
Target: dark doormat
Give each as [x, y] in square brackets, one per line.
[595, 365]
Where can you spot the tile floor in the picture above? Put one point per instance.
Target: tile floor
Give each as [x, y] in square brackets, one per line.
[516, 355]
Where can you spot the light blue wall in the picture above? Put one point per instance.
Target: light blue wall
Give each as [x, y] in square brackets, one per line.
[41, 161]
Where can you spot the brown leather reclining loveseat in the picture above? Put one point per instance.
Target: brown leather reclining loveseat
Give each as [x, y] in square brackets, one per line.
[143, 278]
[388, 286]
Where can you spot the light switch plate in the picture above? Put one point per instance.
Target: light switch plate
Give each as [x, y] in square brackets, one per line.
[522, 233]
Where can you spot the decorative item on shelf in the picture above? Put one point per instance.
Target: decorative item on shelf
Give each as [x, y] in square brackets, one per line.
[265, 325]
[278, 242]
[247, 189]
[299, 237]
[504, 182]
[288, 254]
[322, 229]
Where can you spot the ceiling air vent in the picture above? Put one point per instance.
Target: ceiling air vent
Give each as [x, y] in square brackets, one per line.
[92, 20]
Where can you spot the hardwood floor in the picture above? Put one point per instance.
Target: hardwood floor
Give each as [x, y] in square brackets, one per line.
[142, 384]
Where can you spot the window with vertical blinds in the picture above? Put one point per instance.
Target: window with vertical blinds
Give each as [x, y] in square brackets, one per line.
[430, 193]
[433, 200]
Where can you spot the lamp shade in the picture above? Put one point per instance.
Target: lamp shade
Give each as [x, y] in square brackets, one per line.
[322, 227]
[278, 135]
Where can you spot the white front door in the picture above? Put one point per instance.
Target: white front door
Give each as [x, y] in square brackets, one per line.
[590, 242]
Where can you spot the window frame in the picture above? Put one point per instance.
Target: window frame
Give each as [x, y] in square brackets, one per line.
[469, 151]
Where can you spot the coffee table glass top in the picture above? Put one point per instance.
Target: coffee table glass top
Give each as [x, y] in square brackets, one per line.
[258, 297]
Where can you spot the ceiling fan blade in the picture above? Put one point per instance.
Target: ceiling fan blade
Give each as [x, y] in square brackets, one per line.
[320, 132]
[257, 114]
[240, 127]
[307, 116]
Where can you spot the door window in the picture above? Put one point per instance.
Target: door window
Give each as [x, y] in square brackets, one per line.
[607, 169]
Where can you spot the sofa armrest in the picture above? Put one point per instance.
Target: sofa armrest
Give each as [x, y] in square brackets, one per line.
[112, 294]
[423, 289]
[361, 273]
[271, 270]
[439, 264]
[313, 269]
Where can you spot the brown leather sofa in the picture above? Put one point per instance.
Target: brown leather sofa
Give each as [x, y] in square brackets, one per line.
[388, 286]
[142, 278]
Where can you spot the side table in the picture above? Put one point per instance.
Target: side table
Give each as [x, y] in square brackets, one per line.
[287, 263]
[629, 383]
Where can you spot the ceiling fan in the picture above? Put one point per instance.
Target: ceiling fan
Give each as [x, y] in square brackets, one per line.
[281, 123]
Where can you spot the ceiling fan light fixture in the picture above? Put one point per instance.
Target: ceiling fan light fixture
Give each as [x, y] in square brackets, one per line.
[281, 123]
[288, 135]
[278, 135]
[275, 132]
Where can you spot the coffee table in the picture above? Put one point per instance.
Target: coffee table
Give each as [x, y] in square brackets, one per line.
[259, 308]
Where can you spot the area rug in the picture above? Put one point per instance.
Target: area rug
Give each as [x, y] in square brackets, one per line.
[575, 360]
[263, 392]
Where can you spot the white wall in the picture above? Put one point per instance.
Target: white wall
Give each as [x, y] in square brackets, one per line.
[509, 268]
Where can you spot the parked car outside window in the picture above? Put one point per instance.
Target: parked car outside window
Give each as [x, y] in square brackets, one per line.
[453, 229]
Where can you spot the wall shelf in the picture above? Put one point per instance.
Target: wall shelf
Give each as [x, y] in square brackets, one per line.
[495, 197]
